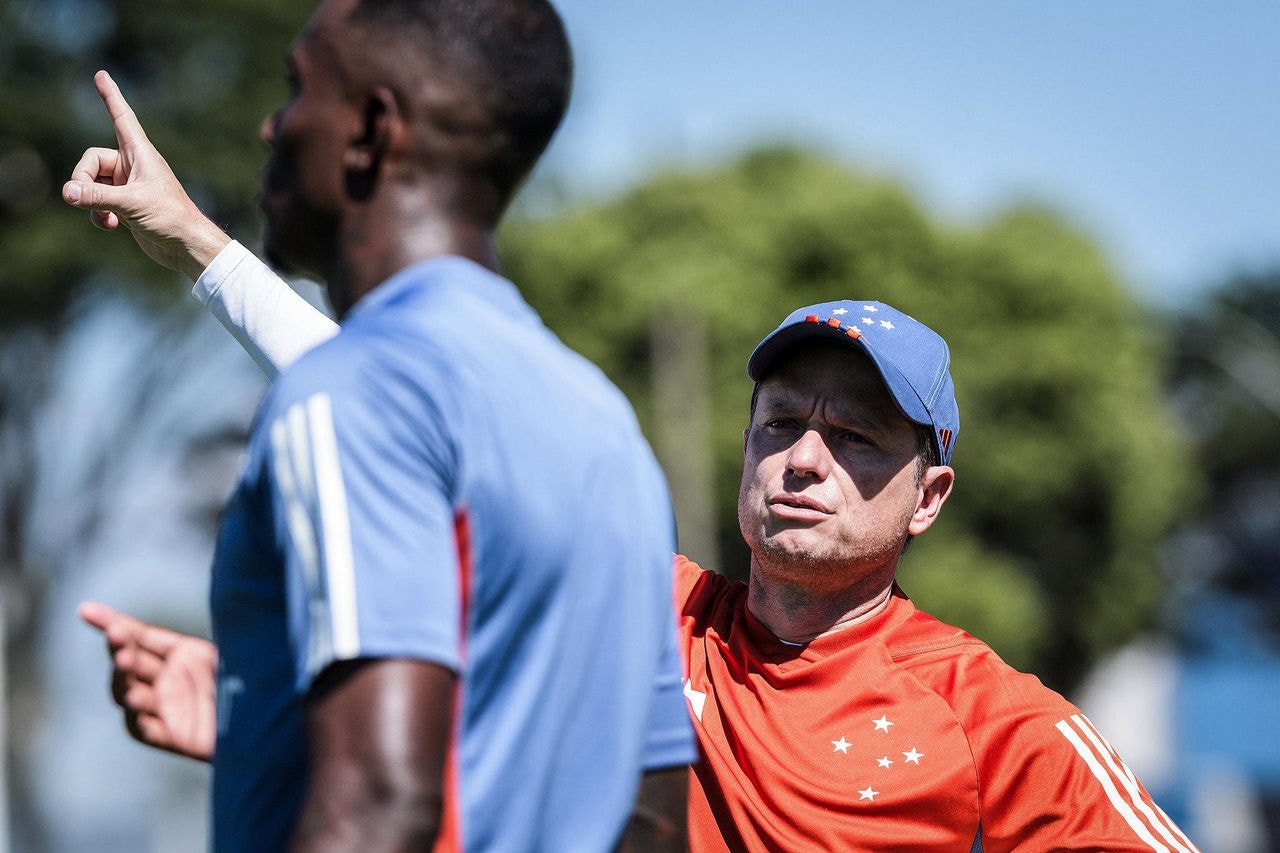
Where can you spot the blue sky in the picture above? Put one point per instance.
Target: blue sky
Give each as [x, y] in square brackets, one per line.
[1155, 126]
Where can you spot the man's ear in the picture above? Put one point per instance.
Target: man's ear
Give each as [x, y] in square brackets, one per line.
[935, 487]
[379, 122]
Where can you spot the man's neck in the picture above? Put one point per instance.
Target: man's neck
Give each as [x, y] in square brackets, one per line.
[799, 613]
[377, 247]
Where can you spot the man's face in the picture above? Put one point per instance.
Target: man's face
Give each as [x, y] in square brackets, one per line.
[302, 184]
[829, 481]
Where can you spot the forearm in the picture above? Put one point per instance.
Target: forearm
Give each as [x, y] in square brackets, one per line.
[273, 323]
[378, 733]
[196, 246]
[394, 824]
[659, 822]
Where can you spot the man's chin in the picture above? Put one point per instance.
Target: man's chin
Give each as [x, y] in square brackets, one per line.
[788, 546]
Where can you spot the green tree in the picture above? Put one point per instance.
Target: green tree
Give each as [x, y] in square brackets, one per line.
[201, 73]
[1226, 384]
[1048, 548]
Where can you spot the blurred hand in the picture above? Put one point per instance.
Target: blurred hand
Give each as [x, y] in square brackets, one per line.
[134, 186]
[162, 680]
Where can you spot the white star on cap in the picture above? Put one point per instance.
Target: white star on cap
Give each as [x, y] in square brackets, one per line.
[883, 723]
[868, 321]
[868, 793]
[913, 757]
[885, 324]
[841, 745]
[870, 308]
[884, 761]
[840, 311]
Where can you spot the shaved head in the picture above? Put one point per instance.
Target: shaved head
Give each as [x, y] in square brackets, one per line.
[488, 80]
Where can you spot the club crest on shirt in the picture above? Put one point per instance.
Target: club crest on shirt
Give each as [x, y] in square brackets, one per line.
[878, 755]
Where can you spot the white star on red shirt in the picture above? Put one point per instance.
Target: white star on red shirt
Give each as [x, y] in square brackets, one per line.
[841, 745]
[868, 794]
[913, 757]
[883, 723]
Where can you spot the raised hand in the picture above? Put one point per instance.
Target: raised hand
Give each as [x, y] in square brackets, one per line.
[162, 680]
[134, 186]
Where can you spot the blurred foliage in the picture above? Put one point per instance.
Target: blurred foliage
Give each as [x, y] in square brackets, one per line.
[1048, 547]
[201, 75]
[1225, 381]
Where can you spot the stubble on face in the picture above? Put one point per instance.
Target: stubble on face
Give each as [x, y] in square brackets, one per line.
[302, 180]
[826, 434]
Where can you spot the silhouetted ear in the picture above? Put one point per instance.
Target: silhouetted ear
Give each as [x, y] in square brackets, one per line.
[365, 153]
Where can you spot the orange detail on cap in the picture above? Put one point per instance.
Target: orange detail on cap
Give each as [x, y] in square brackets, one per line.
[853, 333]
[812, 318]
[833, 323]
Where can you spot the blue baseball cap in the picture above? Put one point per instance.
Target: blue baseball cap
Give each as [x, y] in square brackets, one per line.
[913, 359]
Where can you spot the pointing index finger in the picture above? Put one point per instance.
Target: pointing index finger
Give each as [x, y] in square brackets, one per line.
[128, 130]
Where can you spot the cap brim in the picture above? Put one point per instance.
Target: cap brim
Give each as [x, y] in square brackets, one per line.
[773, 347]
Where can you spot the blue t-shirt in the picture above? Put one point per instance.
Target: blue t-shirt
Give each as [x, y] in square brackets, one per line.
[446, 481]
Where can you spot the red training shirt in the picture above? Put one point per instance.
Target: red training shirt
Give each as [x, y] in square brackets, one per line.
[897, 734]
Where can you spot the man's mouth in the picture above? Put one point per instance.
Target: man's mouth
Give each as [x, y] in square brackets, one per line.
[787, 505]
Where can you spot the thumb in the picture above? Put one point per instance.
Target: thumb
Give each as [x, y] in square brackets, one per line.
[99, 199]
[91, 196]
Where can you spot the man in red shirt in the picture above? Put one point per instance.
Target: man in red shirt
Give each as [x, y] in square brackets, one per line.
[831, 714]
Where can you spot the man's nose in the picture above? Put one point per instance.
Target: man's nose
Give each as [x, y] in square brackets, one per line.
[809, 456]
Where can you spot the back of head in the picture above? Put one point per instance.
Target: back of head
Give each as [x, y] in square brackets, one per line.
[491, 77]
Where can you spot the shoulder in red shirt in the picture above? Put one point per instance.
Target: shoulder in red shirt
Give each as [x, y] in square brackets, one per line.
[899, 733]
